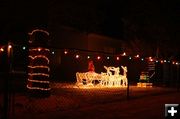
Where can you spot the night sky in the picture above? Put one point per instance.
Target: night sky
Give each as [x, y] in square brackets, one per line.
[150, 21]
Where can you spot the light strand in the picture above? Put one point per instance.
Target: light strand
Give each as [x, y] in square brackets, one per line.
[38, 74]
[38, 81]
[39, 56]
[45, 67]
[37, 88]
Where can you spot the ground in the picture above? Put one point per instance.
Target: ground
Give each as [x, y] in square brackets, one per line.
[69, 102]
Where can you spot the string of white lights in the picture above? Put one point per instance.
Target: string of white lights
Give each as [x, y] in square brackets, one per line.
[39, 49]
[38, 81]
[38, 74]
[43, 67]
[39, 56]
[37, 88]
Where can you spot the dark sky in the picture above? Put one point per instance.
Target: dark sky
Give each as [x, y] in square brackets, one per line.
[128, 19]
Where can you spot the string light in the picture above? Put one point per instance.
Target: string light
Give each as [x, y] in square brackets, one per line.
[38, 74]
[39, 49]
[34, 67]
[130, 58]
[39, 30]
[98, 57]
[137, 56]
[37, 88]
[88, 57]
[108, 58]
[53, 52]
[9, 46]
[40, 56]
[77, 56]
[164, 60]
[23, 47]
[32, 75]
[65, 52]
[1, 49]
[124, 54]
[38, 81]
[142, 59]
[117, 58]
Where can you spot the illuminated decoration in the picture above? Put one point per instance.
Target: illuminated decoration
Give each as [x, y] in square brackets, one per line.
[142, 59]
[130, 58]
[144, 80]
[105, 79]
[40, 56]
[2, 50]
[137, 56]
[88, 57]
[124, 54]
[164, 60]
[9, 46]
[77, 56]
[98, 57]
[53, 52]
[23, 47]
[65, 52]
[38, 69]
[108, 58]
[117, 58]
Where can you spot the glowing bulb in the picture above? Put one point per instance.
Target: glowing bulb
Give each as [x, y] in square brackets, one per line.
[164, 60]
[39, 49]
[77, 56]
[156, 61]
[65, 52]
[177, 63]
[10, 46]
[117, 58]
[161, 61]
[151, 60]
[173, 62]
[98, 57]
[53, 52]
[124, 54]
[2, 49]
[23, 47]
[130, 58]
[137, 56]
[142, 59]
[88, 57]
[107, 57]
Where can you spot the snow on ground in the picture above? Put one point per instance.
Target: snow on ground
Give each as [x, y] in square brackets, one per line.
[69, 102]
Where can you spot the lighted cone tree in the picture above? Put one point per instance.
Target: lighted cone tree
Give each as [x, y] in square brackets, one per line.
[38, 68]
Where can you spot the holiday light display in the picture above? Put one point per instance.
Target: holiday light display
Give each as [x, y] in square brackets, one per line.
[38, 69]
[107, 79]
[38, 73]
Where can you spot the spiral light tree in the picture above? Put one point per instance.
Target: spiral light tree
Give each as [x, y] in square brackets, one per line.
[38, 68]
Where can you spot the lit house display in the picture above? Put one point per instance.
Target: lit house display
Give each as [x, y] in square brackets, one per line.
[110, 78]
